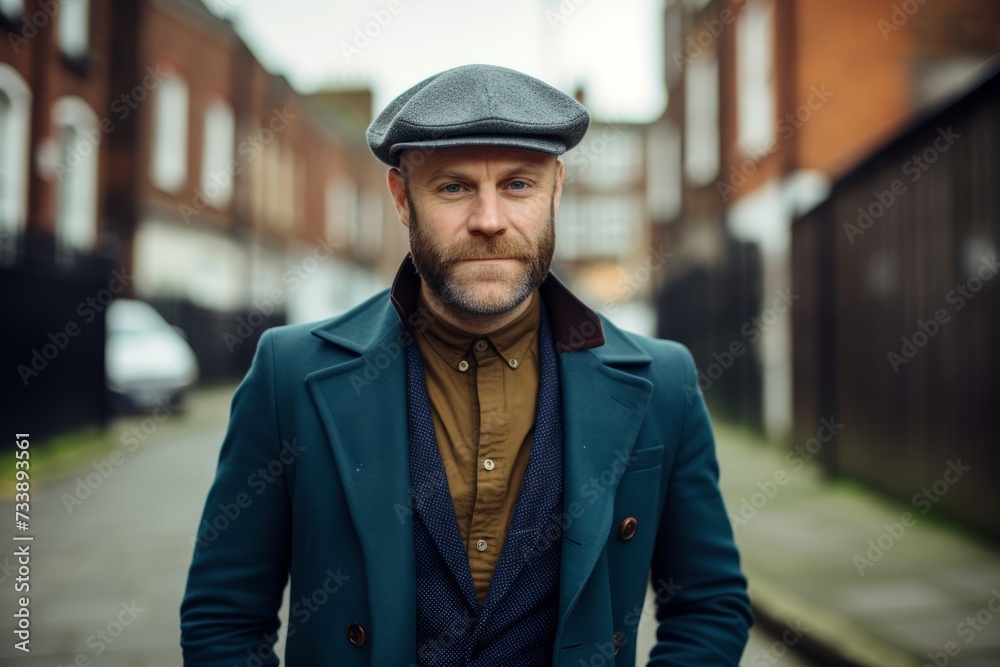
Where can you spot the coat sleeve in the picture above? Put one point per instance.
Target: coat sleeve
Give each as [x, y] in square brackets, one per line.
[241, 555]
[705, 618]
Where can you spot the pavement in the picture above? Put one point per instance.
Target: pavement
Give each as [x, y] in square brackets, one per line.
[865, 581]
[108, 569]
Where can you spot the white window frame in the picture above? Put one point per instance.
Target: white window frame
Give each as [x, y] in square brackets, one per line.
[73, 27]
[755, 87]
[12, 8]
[15, 129]
[77, 173]
[341, 208]
[701, 119]
[217, 153]
[170, 136]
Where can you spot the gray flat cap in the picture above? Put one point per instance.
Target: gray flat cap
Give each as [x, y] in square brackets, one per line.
[478, 105]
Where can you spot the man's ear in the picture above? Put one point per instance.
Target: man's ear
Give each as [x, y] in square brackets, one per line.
[397, 188]
[559, 183]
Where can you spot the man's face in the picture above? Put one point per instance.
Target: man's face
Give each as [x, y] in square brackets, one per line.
[482, 223]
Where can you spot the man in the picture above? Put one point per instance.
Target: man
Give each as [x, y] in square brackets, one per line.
[472, 467]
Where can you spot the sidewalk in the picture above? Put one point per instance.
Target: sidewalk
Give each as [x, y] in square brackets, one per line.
[867, 581]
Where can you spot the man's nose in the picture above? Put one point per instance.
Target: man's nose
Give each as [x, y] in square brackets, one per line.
[488, 216]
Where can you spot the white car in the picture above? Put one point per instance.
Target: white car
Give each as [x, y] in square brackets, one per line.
[147, 361]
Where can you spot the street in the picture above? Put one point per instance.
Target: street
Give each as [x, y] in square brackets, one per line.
[113, 543]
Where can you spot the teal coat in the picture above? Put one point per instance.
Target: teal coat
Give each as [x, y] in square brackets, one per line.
[313, 482]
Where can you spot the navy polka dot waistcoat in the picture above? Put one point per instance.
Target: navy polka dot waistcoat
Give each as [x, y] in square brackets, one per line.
[517, 623]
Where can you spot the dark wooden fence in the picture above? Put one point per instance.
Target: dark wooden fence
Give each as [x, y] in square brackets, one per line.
[708, 311]
[52, 347]
[897, 329]
[223, 342]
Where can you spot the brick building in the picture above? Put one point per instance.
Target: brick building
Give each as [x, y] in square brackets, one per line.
[769, 101]
[143, 136]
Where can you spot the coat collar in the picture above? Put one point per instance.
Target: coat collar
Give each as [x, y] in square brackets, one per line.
[362, 404]
[574, 325]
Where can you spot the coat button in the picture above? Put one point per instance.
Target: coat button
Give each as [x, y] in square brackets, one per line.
[356, 634]
[627, 528]
[618, 642]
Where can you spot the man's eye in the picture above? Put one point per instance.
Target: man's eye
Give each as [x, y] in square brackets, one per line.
[453, 188]
[518, 185]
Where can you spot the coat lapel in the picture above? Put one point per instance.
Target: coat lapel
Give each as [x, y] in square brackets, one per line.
[362, 404]
[603, 408]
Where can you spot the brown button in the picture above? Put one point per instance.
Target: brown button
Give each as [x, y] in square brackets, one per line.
[627, 528]
[618, 642]
[356, 634]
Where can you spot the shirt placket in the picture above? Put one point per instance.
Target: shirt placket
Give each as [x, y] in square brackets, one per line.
[491, 463]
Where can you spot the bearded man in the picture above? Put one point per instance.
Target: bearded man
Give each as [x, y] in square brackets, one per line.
[488, 472]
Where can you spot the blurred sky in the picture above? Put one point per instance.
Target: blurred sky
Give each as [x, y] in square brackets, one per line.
[613, 49]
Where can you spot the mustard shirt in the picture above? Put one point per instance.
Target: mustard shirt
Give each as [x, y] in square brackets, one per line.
[483, 391]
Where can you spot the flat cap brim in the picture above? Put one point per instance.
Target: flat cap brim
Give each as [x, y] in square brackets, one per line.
[478, 105]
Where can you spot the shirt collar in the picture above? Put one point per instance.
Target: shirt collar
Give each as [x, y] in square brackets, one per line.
[574, 325]
[511, 341]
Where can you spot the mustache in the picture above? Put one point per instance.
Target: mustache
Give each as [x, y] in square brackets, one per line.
[494, 248]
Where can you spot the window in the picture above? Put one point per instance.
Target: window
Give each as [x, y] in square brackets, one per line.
[597, 225]
[170, 134]
[366, 232]
[610, 158]
[663, 160]
[701, 120]
[341, 209]
[76, 191]
[217, 153]
[12, 8]
[15, 120]
[74, 27]
[755, 76]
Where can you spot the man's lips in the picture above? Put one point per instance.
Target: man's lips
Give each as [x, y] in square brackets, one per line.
[491, 259]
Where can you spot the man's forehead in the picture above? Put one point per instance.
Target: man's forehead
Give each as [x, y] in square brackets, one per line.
[452, 158]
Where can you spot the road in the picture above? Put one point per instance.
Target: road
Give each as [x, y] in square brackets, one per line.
[113, 540]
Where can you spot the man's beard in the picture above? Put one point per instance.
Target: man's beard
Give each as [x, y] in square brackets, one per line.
[436, 265]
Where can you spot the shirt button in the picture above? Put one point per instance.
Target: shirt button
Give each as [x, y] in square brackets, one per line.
[481, 345]
[463, 365]
[513, 363]
[489, 464]
[481, 545]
